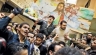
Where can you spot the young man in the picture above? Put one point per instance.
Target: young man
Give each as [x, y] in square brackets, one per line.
[89, 38]
[33, 50]
[10, 37]
[60, 32]
[38, 43]
[46, 27]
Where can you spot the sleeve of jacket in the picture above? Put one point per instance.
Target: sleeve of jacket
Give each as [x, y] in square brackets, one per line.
[40, 22]
[4, 22]
[53, 33]
[3, 30]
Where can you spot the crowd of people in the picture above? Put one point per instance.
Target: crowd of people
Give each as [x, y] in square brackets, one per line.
[48, 40]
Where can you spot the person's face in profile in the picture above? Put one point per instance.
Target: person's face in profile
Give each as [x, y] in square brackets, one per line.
[50, 20]
[60, 7]
[31, 37]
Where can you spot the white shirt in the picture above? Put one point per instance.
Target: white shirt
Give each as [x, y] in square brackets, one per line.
[60, 33]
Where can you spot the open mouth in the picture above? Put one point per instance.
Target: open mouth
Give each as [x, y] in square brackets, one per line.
[25, 33]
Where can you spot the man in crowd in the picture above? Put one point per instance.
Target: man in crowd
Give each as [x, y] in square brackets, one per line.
[53, 48]
[92, 51]
[33, 50]
[60, 32]
[38, 43]
[10, 37]
[89, 38]
[68, 51]
[46, 27]
[17, 49]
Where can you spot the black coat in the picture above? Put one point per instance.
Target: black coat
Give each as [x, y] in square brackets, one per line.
[43, 27]
[43, 50]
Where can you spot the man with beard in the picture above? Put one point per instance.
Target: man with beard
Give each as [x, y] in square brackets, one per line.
[93, 48]
[60, 32]
[89, 38]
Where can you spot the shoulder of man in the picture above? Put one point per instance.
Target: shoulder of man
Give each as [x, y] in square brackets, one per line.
[67, 30]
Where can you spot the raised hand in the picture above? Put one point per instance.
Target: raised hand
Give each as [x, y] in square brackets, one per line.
[2, 15]
[17, 11]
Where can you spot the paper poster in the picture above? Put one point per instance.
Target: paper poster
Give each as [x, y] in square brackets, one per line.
[76, 17]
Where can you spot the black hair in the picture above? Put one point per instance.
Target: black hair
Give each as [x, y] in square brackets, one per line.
[31, 33]
[9, 25]
[17, 25]
[14, 48]
[63, 21]
[13, 23]
[52, 17]
[23, 24]
[40, 35]
[68, 51]
[61, 42]
[52, 47]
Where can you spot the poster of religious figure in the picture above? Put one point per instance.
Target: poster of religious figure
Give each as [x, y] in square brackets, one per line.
[76, 17]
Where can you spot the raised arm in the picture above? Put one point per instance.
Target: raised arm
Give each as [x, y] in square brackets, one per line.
[5, 21]
[35, 20]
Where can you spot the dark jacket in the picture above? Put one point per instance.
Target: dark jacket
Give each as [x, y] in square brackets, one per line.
[10, 37]
[92, 52]
[43, 27]
[43, 50]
